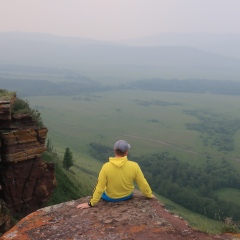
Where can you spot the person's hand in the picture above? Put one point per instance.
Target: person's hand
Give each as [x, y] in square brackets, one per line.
[153, 196]
[83, 205]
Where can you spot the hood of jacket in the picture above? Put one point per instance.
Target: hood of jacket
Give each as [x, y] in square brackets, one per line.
[119, 161]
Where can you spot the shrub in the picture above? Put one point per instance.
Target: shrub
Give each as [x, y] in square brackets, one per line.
[230, 226]
[22, 107]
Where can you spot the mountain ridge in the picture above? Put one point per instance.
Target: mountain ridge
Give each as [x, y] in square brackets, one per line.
[57, 51]
[227, 44]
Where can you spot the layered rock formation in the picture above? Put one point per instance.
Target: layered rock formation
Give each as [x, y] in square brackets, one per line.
[136, 219]
[26, 181]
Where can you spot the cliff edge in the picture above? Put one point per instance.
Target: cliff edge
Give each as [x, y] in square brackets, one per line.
[136, 219]
[26, 181]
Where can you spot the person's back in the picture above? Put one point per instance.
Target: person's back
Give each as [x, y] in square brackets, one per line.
[116, 178]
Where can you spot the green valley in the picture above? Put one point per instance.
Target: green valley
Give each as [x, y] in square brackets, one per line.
[152, 122]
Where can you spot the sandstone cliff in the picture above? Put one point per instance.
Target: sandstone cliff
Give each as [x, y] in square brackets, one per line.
[26, 181]
[136, 219]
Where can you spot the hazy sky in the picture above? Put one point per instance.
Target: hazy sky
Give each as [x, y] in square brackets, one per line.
[119, 19]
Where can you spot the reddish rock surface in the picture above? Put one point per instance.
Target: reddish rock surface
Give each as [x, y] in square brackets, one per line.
[22, 144]
[27, 185]
[138, 218]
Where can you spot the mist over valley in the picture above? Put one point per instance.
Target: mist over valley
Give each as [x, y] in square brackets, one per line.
[110, 61]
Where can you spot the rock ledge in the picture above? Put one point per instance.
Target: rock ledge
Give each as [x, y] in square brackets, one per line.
[137, 218]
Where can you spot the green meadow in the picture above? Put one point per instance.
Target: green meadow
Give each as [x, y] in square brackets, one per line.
[150, 121]
[104, 117]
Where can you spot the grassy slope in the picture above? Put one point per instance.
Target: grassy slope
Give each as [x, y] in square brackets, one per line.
[68, 186]
[195, 220]
[106, 117]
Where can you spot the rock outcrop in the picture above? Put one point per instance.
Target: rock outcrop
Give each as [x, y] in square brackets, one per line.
[26, 181]
[136, 219]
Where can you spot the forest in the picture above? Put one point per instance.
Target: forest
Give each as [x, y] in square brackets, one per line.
[48, 88]
[190, 186]
[217, 130]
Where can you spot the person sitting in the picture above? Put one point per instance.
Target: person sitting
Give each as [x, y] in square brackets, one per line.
[116, 178]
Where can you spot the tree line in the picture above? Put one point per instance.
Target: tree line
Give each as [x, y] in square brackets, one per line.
[47, 88]
[189, 85]
[39, 87]
[193, 187]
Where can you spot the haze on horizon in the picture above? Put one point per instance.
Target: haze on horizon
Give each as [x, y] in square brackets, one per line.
[120, 19]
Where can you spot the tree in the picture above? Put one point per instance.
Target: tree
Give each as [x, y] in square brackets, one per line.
[49, 145]
[67, 159]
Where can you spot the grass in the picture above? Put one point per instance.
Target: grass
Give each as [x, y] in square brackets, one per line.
[112, 115]
[229, 194]
[195, 220]
[6, 95]
[69, 186]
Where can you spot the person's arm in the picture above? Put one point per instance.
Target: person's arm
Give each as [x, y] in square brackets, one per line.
[98, 191]
[143, 184]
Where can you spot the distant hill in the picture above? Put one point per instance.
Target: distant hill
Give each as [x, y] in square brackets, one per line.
[53, 51]
[227, 44]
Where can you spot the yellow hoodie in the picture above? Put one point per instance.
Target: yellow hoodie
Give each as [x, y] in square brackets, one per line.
[117, 179]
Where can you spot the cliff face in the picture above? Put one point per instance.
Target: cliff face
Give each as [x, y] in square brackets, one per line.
[26, 181]
[136, 219]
